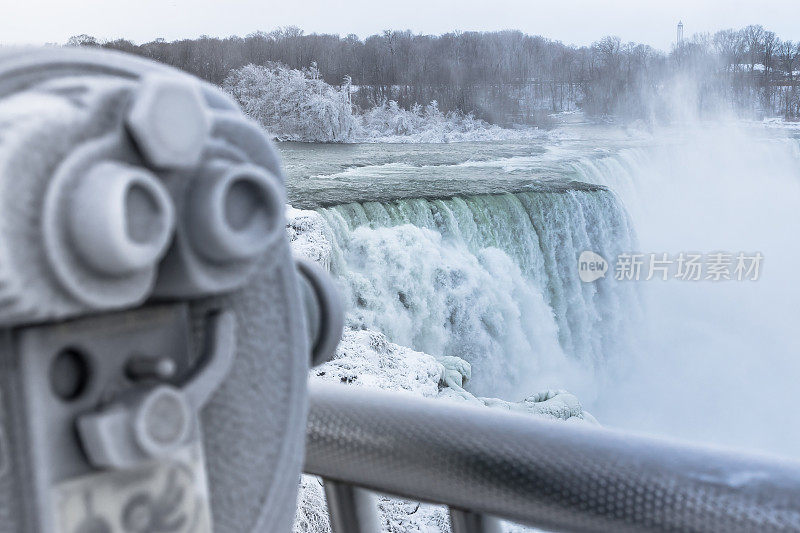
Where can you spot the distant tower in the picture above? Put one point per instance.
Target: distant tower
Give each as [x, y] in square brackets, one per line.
[680, 32]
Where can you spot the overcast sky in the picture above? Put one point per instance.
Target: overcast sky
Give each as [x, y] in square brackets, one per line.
[571, 21]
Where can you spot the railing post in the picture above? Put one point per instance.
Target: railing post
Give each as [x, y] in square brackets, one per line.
[470, 522]
[351, 509]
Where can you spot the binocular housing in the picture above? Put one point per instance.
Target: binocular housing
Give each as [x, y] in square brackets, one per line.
[156, 331]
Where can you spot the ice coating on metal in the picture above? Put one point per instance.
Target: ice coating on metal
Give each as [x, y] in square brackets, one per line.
[167, 496]
[121, 297]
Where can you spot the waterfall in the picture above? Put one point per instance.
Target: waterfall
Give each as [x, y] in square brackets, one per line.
[492, 279]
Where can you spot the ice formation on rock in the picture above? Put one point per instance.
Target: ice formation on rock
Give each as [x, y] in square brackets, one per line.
[366, 358]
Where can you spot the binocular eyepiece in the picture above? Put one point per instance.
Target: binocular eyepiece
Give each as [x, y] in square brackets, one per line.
[170, 197]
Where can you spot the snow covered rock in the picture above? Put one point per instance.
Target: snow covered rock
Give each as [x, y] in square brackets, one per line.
[367, 359]
[307, 234]
[558, 404]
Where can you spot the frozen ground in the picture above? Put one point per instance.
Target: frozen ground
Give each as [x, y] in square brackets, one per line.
[366, 358]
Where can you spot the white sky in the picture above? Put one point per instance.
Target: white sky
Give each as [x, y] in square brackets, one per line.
[571, 21]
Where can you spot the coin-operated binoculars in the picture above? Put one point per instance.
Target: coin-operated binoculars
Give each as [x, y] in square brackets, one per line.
[155, 331]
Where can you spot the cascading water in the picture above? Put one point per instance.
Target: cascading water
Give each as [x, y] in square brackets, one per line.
[491, 279]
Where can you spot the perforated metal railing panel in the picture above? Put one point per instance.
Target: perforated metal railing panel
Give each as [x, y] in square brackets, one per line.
[551, 474]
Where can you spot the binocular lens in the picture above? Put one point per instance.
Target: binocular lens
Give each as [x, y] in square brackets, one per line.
[121, 218]
[234, 212]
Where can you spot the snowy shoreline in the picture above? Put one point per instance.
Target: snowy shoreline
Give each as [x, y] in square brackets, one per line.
[489, 133]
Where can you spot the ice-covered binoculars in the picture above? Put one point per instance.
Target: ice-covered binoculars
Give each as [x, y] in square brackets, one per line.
[156, 330]
[157, 334]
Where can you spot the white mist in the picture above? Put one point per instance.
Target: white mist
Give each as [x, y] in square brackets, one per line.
[719, 362]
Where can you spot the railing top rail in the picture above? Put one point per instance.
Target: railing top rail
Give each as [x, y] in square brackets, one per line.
[550, 474]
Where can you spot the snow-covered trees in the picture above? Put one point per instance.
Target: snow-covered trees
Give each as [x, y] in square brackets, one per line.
[389, 122]
[390, 119]
[508, 77]
[294, 104]
[298, 105]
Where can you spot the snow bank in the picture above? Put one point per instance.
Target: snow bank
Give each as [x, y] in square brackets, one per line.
[296, 105]
[366, 358]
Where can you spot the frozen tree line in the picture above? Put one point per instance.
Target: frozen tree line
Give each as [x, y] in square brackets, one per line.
[299, 105]
[509, 77]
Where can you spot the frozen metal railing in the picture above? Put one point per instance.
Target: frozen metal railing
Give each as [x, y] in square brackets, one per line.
[484, 463]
